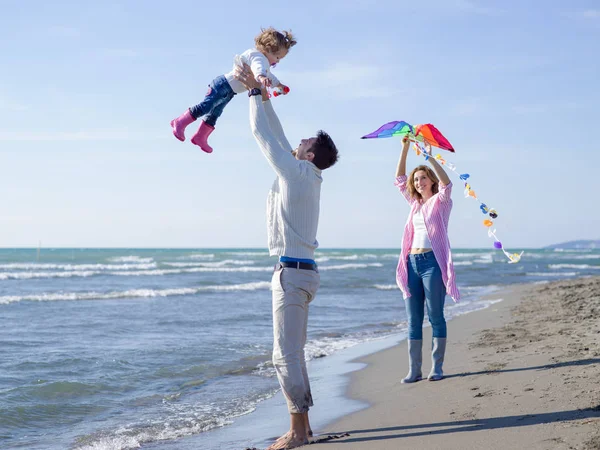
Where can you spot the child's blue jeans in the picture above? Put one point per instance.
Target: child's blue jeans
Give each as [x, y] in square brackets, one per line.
[426, 287]
[218, 95]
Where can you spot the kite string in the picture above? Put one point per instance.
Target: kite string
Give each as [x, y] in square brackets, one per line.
[513, 258]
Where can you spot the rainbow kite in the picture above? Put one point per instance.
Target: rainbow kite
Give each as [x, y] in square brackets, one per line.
[426, 133]
[431, 136]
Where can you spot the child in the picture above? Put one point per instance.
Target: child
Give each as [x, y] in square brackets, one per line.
[271, 47]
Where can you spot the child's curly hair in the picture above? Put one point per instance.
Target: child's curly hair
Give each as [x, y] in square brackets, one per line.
[270, 40]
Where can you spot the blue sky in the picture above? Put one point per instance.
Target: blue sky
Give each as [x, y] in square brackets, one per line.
[87, 90]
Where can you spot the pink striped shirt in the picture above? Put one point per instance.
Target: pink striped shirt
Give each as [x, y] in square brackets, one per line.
[436, 213]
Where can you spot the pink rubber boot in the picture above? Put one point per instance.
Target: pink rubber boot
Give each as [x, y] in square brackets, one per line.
[201, 137]
[180, 123]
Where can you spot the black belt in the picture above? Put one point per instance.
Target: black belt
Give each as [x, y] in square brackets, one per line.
[296, 265]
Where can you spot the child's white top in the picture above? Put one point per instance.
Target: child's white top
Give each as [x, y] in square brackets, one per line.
[259, 64]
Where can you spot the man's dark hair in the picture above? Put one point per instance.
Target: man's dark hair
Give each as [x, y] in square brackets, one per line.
[326, 153]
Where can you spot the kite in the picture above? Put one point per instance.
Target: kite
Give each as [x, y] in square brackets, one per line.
[426, 133]
[430, 136]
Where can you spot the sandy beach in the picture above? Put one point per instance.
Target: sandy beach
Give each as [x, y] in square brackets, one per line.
[522, 374]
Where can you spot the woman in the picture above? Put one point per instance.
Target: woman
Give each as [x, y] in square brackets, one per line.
[425, 271]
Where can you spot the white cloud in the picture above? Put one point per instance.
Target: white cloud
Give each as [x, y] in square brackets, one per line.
[592, 14]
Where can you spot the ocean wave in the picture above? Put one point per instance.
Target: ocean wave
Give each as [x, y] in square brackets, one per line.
[257, 253]
[76, 267]
[322, 259]
[134, 293]
[198, 256]
[192, 270]
[234, 262]
[462, 263]
[596, 256]
[30, 275]
[128, 273]
[355, 257]
[386, 287]
[562, 256]
[572, 266]
[130, 259]
[551, 274]
[471, 255]
[484, 258]
[177, 422]
[350, 266]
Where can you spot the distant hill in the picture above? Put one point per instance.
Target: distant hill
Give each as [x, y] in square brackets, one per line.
[584, 244]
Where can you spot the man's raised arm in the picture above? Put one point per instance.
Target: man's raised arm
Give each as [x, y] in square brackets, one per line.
[269, 139]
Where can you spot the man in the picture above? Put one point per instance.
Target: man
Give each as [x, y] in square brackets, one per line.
[292, 220]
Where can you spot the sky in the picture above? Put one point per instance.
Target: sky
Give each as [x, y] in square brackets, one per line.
[87, 91]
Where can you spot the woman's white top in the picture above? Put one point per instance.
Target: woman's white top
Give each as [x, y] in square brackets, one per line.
[420, 237]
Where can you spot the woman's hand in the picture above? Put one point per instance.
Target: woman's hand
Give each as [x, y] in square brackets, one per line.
[401, 168]
[405, 142]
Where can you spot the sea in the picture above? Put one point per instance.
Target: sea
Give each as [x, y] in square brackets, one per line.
[170, 348]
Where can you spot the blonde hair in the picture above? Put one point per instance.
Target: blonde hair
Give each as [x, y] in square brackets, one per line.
[412, 191]
[270, 40]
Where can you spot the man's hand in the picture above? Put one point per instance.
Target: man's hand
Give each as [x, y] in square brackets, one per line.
[246, 77]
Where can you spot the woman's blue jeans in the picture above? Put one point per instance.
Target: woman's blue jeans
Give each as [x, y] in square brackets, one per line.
[218, 96]
[426, 287]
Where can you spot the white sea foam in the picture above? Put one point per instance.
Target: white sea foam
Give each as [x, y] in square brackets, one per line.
[561, 256]
[463, 263]
[76, 267]
[161, 272]
[130, 259]
[178, 421]
[192, 270]
[572, 266]
[30, 275]
[234, 262]
[134, 293]
[467, 255]
[551, 274]
[257, 253]
[484, 258]
[350, 266]
[386, 287]
[198, 256]
[355, 257]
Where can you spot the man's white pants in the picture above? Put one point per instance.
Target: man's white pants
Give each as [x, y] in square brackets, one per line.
[293, 290]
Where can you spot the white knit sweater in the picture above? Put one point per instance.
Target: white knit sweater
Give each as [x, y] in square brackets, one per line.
[293, 202]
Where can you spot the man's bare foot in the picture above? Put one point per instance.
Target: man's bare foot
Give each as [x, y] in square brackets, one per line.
[287, 441]
[307, 427]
